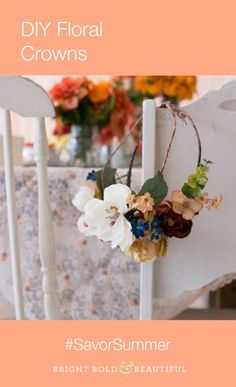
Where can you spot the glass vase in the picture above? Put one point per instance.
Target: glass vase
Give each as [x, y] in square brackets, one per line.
[80, 145]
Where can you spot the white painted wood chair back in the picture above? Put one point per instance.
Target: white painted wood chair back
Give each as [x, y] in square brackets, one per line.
[27, 99]
[209, 252]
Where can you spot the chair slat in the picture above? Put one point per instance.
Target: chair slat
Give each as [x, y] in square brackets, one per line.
[148, 171]
[46, 236]
[12, 217]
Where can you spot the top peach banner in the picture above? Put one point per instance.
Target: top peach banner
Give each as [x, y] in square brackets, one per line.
[117, 37]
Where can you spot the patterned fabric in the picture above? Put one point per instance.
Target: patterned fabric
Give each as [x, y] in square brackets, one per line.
[94, 281]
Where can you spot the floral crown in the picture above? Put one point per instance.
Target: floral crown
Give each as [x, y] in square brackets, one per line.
[141, 223]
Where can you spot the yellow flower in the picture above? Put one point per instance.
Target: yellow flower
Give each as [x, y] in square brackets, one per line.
[100, 91]
[185, 87]
[169, 86]
[179, 87]
[148, 85]
[145, 250]
[60, 141]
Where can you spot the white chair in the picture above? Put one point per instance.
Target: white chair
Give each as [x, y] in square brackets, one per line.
[27, 99]
[209, 252]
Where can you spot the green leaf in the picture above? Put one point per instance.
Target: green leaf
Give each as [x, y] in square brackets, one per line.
[68, 117]
[202, 181]
[157, 188]
[191, 192]
[192, 181]
[108, 175]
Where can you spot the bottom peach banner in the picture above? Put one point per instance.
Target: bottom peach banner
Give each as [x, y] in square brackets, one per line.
[117, 353]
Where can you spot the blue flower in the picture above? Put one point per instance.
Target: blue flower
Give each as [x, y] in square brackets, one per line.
[139, 228]
[156, 222]
[91, 176]
[155, 228]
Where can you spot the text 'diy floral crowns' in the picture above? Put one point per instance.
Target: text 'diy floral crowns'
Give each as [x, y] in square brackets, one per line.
[141, 223]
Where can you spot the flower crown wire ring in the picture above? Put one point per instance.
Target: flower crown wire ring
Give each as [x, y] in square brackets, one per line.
[133, 127]
[141, 223]
[176, 112]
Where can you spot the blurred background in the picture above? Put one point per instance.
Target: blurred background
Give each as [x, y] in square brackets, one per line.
[94, 113]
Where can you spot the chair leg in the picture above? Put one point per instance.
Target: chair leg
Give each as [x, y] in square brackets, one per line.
[46, 235]
[12, 219]
[148, 171]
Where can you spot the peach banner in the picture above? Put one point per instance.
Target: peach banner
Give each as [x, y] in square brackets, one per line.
[118, 353]
[150, 37]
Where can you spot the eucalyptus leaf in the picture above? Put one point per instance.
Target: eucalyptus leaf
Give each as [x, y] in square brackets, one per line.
[157, 188]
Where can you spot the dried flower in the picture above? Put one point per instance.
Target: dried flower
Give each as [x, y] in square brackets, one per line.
[215, 203]
[203, 199]
[142, 203]
[146, 202]
[133, 201]
[175, 225]
[185, 206]
[145, 250]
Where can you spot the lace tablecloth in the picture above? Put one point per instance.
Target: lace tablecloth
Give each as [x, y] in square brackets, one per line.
[94, 281]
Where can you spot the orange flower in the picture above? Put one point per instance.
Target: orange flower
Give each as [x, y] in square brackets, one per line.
[100, 91]
[69, 92]
[180, 87]
[148, 85]
[169, 86]
[122, 114]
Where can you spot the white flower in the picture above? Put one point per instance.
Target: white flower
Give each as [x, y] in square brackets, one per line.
[83, 226]
[87, 222]
[85, 194]
[105, 218]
